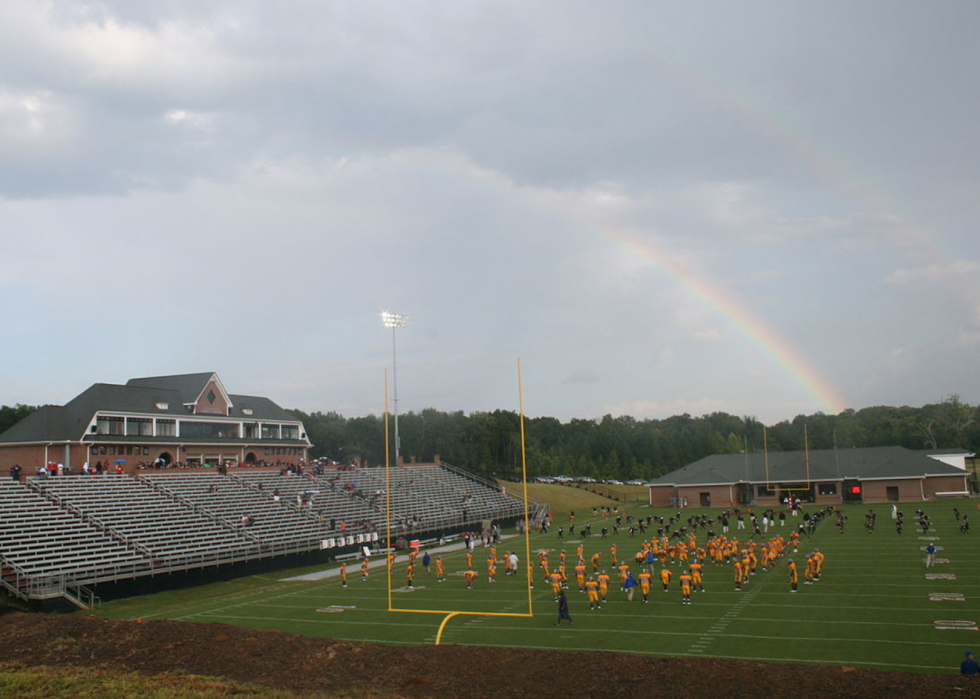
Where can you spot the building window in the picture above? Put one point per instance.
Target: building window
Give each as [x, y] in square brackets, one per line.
[251, 430]
[146, 451]
[828, 489]
[766, 492]
[166, 428]
[112, 451]
[109, 425]
[139, 427]
[208, 430]
[290, 432]
[270, 431]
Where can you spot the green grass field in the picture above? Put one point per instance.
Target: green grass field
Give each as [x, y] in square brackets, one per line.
[874, 606]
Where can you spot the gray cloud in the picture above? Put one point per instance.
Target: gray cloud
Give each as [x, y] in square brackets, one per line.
[657, 207]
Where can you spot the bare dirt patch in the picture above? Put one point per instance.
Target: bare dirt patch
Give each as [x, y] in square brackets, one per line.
[301, 664]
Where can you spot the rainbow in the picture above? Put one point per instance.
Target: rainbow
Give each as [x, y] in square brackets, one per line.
[818, 157]
[737, 316]
[792, 139]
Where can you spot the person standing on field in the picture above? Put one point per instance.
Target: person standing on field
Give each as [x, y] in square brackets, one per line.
[969, 666]
[563, 609]
[629, 585]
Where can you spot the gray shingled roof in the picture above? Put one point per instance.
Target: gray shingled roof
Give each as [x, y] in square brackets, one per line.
[825, 465]
[187, 386]
[68, 422]
[47, 423]
[262, 409]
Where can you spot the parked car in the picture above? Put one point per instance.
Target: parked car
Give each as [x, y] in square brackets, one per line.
[636, 482]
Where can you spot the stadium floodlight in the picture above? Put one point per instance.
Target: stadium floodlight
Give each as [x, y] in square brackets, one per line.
[394, 321]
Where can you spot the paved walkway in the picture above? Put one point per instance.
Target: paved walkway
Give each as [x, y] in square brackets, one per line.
[334, 570]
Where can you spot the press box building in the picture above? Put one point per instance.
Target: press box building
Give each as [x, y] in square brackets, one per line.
[188, 419]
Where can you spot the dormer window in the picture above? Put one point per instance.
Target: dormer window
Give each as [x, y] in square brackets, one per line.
[246, 411]
[163, 406]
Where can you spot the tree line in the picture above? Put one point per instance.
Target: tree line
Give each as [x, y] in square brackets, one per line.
[625, 448]
[621, 447]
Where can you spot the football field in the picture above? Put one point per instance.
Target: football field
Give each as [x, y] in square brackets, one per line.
[876, 604]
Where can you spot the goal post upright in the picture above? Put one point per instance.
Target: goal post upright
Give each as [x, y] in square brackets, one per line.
[390, 549]
[527, 519]
[450, 614]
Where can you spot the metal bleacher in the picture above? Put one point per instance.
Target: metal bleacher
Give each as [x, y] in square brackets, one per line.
[47, 550]
[60, 535]
[166, 530]
[280, 526]
[341, 511]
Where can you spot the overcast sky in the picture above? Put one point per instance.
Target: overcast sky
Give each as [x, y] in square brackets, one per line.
[762, 208]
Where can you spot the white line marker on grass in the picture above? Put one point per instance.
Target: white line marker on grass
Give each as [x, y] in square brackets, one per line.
[947, 597]
[956, 625]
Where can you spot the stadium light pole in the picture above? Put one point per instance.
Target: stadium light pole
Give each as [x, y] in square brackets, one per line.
[394, 321]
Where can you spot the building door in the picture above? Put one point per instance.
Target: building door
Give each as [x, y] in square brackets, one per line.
[852, 491]
[892, 493]
[705, 499]
[745, 493]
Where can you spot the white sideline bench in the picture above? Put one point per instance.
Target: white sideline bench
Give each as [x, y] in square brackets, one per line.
[954, 494]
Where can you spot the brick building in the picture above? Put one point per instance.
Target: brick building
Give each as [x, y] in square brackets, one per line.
[827, 476]
[187, 419]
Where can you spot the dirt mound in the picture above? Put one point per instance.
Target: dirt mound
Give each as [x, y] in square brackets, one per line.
[298, 663]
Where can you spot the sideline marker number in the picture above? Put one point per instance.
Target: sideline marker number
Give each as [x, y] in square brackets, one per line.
[955, 625]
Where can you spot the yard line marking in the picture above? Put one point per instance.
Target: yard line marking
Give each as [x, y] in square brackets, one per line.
[718, 629]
